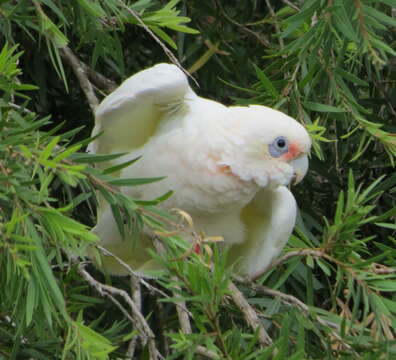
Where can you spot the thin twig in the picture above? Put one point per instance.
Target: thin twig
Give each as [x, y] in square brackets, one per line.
[276, 24]
[290, 83]
[123, 264]
[260, 39]
[382, 269]
[203, 351]
[289, 3]
[136, 291]
[131, 348]
[182, 314]
[82, 77]
[130, 271]
[20, 108]
[250, 315]
[286, 298]
[133, 273]
[168, 52]
[135, 317]
[137, 298]
[290, 254]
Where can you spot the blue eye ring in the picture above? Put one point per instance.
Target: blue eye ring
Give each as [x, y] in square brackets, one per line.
[278, 147]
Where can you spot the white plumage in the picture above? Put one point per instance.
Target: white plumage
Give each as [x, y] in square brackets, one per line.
[228, 166]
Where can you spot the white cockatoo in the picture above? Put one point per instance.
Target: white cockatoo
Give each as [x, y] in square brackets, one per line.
[229, 167]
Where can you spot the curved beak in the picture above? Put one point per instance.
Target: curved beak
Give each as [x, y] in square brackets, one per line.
[300, 167]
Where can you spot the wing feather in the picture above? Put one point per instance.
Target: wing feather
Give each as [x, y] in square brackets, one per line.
[269, 220]
[130, 115]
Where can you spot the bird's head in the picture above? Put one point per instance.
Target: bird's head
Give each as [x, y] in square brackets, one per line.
[267, 146]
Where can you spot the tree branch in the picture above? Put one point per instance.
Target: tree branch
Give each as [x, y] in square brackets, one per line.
[250, 315]
[137, 298]
[135, 317]
[133, 273]
[82, 77]
[98, 79]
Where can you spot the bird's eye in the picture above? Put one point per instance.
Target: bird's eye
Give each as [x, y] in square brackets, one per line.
[279, 146]
[281, 143]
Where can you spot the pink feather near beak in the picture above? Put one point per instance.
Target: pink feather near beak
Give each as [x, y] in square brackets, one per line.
[294, 152]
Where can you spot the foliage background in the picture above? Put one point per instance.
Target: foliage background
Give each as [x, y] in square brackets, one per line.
[330, 64]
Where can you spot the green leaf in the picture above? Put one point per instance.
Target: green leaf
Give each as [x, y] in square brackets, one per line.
[387, 225]
[96, 345]
[134, 182]
[324, 267]
[93, 8]
[121, 166]
[379, 15]
[46, 153]
[295, 21]
[95, 158]
[322, 107]
[47, 276]
[67, 153]
[266, 82]
[183, 29]
[381, 45]
[351, 77]
[30, 301]
[343, 22]
[164, 36]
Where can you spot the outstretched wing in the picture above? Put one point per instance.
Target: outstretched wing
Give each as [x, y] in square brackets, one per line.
[269, 219]
[126, 119]
[130, 114]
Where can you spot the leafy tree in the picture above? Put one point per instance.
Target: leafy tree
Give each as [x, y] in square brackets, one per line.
[331, 294]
